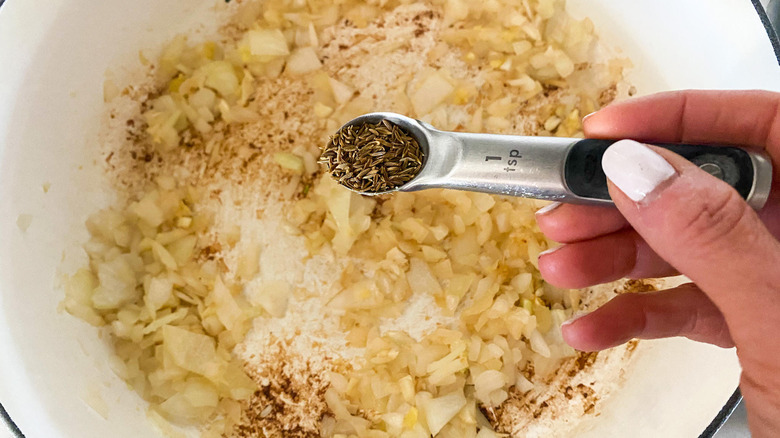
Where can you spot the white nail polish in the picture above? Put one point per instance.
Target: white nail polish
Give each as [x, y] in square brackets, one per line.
[548, 208]
[635, 169]
[550, 251]
[577, 315]
[587, 116]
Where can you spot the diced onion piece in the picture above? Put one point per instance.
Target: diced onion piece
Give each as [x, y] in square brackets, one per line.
[267, 42]
[313, 39]
[200, 393]
[272, 295]
[501, 107]
[411, 418]
[221, 76]
[78, 297]
[407, 388]
[563, 64]
[167, 319]
[95, 400]
[249, 261]
[158, 290]
[440, 410]
[522, 384]
[203, 98]
[487, 433]
[394, 421]
[148, 210]
[443, 371]
[342, 93]
[497, 123]
[116, 284]
[191, 351]
[521, 47]
[551, 123]
[110, 90]
[456, 10]
[178, 408]
[430, 93]
[289, 161]
[421, 279]
[241, 386]
[228, 311]
[486, 383]
[339, 199]
[183, 249]
[483, 201]
[538, 344]
[170, 56]
[303, 60]
[321, 110]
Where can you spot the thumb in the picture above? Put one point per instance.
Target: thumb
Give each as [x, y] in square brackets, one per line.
[703, 228]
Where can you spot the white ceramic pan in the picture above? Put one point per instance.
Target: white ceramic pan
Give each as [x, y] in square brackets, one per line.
[53, 55]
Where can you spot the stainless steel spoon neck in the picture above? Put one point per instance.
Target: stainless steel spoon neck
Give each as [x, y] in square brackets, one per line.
[502, 164]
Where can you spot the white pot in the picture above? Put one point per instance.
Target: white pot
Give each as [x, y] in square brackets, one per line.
[53, 55]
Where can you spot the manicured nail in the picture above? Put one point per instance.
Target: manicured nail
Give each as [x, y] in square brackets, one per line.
[587, 115]
[548, 208]
[635, 168]
[577, 315]
[550, 251]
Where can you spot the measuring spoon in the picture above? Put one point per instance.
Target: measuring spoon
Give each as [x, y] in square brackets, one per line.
[553, 168]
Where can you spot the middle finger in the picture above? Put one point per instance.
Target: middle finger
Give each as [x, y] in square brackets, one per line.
[567, 223]
[601, 260]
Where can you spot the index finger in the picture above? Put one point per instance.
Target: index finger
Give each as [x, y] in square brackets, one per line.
[740, 118]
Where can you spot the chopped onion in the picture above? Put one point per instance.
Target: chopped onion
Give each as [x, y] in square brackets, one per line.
[341, 92]
[321, 110]
[430, 93]
[289, 161]
[267, 42]
[303, 61]
[191, 351]
[273, 296]
[440, 410]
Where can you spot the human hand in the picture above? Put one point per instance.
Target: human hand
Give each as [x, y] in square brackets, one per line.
[673, 218]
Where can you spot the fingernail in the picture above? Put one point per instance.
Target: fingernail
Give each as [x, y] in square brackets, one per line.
[550, 251]
[577, 315]
[548, 208]
[587, 115]
[635, 168]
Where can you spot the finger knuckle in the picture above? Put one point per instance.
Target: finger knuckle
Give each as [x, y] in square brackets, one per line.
[714, 216]
[624, 258]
